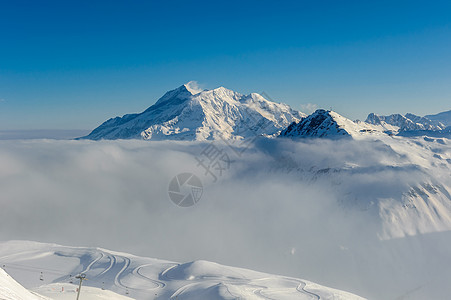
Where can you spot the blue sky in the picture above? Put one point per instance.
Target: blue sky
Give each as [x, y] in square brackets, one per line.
[74, 64]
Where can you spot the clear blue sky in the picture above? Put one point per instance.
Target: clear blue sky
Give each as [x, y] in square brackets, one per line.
[74, 64]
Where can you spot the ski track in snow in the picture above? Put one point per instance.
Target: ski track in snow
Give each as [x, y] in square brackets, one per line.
[300, 285]
[118, 266]
[302, 289]
[228, 291]
[117, 280]
[115, 262]
[159, 284]
[109, 267]
[259, 293]
[164, 275]
[181, 290]
[92, 263]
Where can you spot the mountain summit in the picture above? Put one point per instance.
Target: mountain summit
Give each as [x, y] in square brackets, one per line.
[329, 124]
[189, 113]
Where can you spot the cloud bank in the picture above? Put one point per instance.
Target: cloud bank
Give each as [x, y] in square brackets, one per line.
[308, 209]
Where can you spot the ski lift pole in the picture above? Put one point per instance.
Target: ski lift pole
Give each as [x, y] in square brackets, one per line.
[81, 277]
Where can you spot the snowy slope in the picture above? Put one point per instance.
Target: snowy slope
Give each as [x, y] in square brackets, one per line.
[325, 123]
[11, 290]
[187, 113]
[68, 291]
[145, 278]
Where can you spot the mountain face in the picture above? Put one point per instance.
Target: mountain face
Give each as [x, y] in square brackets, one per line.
[319, 124]
[409, 122]
[325, 123]
[187, 113]
[443, 117]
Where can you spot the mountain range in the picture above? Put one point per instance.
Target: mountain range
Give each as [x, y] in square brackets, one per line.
[408, 122]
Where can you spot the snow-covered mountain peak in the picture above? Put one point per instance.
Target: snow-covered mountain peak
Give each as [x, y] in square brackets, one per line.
[321, 123]
[326, 123]
[180, 93]
[183, 92]
[220, 94]
[187, 113]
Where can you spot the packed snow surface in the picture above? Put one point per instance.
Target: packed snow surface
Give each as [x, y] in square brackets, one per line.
[50, 269]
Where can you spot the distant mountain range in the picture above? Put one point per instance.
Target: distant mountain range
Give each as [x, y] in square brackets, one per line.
[407, 122]
[188, 113]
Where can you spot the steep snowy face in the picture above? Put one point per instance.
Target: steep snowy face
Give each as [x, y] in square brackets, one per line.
[325, 123]
[409, 122]
[188, 113]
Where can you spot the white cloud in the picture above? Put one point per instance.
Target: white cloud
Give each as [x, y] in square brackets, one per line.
[280, 195]
[194, 87]
[309, 108]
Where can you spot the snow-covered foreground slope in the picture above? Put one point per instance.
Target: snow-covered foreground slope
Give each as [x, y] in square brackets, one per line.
[187, 113]
[139, 277]
[12, 290]
[369, 215]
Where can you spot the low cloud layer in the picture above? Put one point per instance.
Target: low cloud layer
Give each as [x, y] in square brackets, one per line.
[306, 209]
